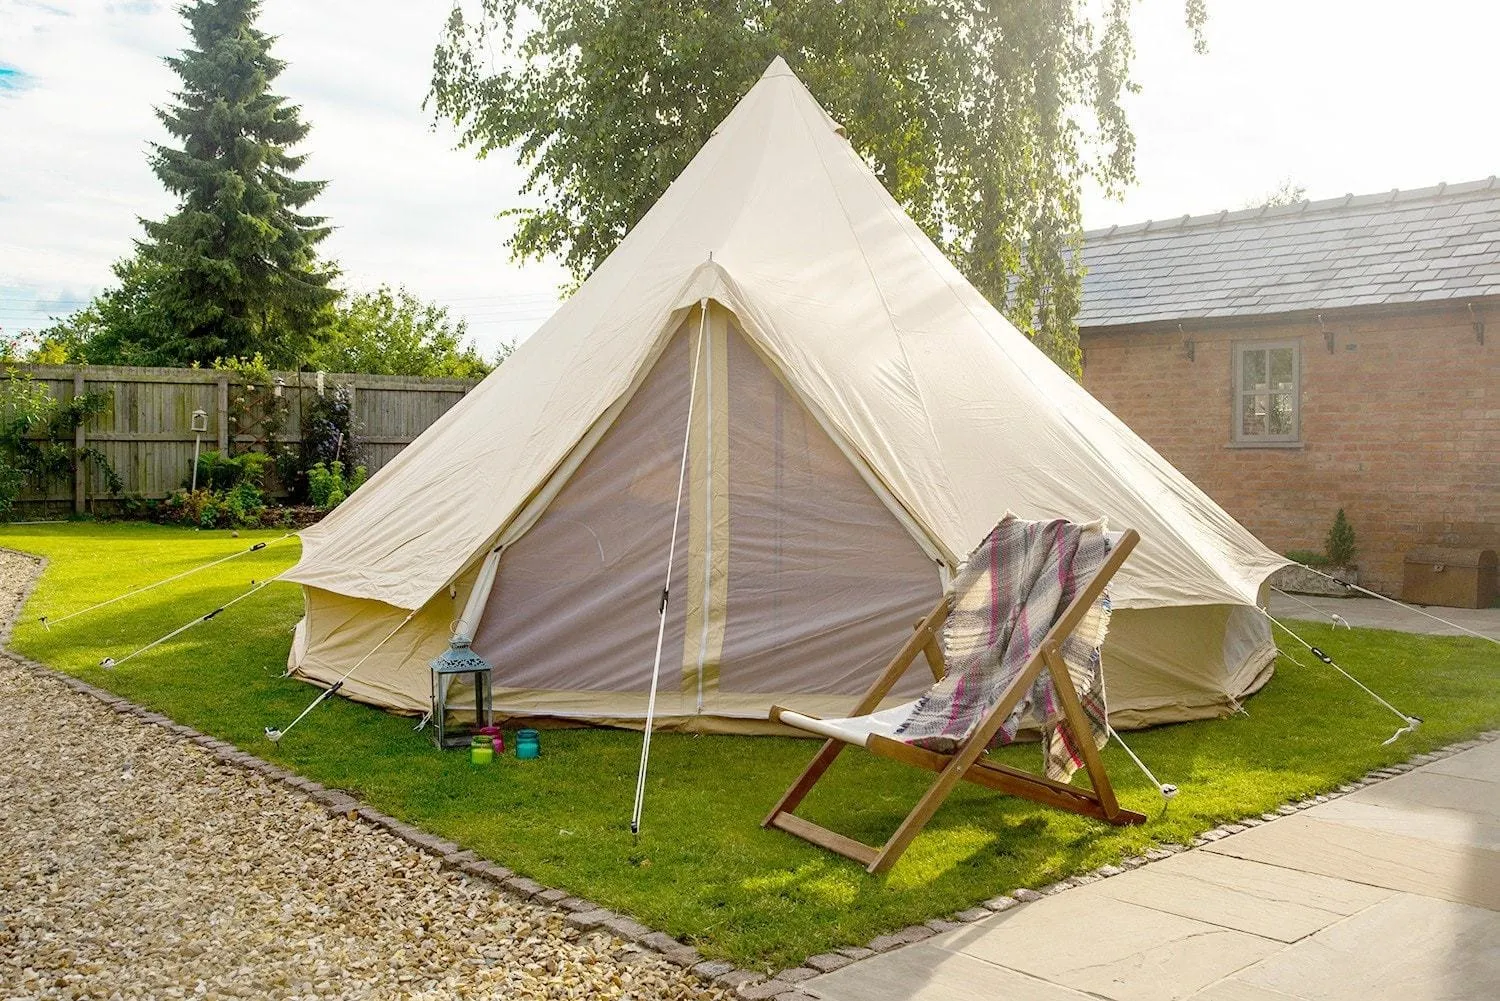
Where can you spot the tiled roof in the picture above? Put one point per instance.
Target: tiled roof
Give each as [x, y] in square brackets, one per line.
[1366, 250]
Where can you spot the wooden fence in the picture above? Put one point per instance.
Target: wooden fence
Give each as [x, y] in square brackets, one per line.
[146, 433]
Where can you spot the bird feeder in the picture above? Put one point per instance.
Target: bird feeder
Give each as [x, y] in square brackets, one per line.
[459, 668]
[199, 425]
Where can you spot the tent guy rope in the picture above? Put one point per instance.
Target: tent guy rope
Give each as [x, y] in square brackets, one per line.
[1401, 604]
[1167, 789]
[1409, 722]
[661, 611]
[254, 587]
[1334, 617]
[274, 735]
[48, 624]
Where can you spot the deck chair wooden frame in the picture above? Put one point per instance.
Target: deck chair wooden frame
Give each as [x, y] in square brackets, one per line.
[968, 763]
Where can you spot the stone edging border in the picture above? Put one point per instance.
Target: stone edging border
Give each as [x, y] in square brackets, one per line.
[588, 916]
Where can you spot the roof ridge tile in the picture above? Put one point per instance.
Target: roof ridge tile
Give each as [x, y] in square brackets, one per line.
[1443, 191]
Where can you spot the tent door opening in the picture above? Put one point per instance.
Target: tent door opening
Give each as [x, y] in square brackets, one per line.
[796, 578]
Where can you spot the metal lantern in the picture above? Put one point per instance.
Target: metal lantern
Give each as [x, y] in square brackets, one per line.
[462, 665]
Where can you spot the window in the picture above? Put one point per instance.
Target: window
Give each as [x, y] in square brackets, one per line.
[1266, 391]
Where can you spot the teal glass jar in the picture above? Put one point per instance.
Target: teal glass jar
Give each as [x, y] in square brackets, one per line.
[528, 744]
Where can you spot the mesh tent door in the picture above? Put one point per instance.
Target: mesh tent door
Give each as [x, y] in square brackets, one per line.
[792, 582]
[824, 584]
[571, 623]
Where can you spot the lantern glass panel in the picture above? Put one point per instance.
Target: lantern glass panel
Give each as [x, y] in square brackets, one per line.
[461, 698]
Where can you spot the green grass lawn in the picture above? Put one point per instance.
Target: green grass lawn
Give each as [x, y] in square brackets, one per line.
[704, 870]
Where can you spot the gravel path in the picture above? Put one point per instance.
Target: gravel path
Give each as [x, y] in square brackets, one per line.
[134, 865]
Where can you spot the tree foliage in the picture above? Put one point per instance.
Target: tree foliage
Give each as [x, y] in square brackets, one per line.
[121, 326]
[389, 332]
[981, 118]
[233, 272]
[1288, 192]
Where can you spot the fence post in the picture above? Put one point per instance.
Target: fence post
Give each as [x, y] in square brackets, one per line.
[223, 414]
[80, 470]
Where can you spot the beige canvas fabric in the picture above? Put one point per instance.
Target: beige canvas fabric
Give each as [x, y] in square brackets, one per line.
[862, 332]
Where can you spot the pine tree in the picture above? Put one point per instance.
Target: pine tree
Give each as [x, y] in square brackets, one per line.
[236, 265]
[1339, 546]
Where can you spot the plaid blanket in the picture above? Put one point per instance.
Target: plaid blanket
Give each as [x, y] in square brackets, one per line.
[1004, 598]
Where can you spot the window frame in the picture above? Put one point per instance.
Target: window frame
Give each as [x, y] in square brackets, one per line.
[1238, 393]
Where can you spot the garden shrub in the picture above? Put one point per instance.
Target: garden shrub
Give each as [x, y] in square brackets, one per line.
[217, 471]
[241, 506]
[1339, 546]
[327, 487]
[244, 502]
[330, 433]
[37, 446]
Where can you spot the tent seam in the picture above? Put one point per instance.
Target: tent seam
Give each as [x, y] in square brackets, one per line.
[879, 291]
[905, 225]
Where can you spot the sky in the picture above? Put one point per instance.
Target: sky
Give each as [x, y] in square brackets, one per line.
[1338, 96]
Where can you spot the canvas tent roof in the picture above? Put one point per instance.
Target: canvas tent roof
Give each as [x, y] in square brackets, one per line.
[953, 415]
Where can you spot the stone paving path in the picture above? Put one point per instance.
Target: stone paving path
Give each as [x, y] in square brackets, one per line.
[1391, 893]
[1372, 613]
[133, 865]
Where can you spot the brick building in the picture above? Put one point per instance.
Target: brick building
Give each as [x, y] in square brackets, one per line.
[1295, 360]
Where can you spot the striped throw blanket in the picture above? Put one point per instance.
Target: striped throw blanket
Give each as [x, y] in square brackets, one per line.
[1004, 598]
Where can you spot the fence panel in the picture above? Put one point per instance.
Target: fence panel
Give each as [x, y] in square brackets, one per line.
[146, 433]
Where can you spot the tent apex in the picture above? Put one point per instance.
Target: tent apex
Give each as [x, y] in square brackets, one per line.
[778, 67]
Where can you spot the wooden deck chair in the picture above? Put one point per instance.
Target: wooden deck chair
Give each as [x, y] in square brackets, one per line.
[874, 731]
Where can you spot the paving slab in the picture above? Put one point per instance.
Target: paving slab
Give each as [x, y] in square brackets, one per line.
[1449, 826]
[924, 972]
[1391, 892]
[1460, 873]
[1242, 909]
[1275, 883]
[1438, 951]
[1234, 989]
[1482, 763]
[1372, 613]
[1092, 942]
[1431, 803]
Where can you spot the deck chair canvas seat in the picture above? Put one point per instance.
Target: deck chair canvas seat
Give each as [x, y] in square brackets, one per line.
[880, 731]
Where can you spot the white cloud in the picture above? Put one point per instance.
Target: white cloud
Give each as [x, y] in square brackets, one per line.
[409, 208]
[1338, 95]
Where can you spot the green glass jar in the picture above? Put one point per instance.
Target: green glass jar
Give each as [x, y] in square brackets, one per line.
[481, 750]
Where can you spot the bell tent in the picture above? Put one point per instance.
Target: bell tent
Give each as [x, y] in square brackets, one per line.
[856, 417]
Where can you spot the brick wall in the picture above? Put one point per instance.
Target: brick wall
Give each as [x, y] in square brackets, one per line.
[1400, 426]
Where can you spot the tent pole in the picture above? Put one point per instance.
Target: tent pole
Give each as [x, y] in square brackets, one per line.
[479, 597]
[661, 626]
